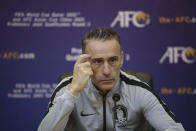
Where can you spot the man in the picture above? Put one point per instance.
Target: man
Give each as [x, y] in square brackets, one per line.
[100, 97]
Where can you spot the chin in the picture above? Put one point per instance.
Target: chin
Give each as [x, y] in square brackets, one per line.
[106, 87]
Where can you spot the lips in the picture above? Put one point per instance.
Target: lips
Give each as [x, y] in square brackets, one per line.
[107, 80]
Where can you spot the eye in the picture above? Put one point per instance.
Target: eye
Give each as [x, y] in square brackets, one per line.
[97, 61]
[113, 60]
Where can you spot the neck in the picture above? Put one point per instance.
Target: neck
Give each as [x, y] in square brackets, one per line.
[102, 92]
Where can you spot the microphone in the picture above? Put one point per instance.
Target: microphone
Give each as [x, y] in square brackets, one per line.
[116, 98]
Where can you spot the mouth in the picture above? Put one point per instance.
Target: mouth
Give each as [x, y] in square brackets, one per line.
[107, 80]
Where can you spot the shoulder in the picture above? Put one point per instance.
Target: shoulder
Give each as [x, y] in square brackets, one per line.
[131, 81]
[135, 89]
[59, 90]
[61, 87]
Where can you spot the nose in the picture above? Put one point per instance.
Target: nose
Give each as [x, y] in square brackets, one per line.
[106, 69]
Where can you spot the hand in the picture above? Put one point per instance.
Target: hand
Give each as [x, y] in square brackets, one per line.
[81, 74]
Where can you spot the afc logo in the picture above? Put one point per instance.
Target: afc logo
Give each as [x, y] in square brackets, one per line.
[173, 54]
[138, 18]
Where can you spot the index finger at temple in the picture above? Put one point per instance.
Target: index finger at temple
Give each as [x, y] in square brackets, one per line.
[83, 58]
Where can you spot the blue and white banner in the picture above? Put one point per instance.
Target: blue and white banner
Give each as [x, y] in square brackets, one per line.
[39, 40]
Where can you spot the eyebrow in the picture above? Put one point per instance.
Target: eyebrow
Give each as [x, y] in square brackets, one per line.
[95, 59]
[100, 58]
[113, 57]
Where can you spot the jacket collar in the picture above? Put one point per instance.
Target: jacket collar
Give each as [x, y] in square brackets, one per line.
[91, 87]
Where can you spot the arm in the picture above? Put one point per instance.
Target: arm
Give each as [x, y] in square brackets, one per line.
[65, 97]
[58, 115]
[157, 114]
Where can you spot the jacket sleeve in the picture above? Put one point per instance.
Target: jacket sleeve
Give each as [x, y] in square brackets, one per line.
[58, 115]
[157, 113]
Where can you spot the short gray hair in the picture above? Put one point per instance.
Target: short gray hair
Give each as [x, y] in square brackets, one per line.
[102, 34]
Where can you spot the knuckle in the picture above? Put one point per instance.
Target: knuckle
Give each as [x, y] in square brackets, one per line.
[88, 63]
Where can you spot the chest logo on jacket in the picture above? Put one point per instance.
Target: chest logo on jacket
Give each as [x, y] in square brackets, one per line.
[120, 115]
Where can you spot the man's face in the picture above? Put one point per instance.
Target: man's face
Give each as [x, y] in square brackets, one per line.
[106, 61]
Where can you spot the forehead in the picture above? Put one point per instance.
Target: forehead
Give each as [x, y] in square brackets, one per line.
[103, 49]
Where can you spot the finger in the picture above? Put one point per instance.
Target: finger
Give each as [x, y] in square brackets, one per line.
[85, 64]
[88, 71]
[83, 58]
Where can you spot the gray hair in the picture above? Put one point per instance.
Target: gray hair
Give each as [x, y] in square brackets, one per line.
[102, 34]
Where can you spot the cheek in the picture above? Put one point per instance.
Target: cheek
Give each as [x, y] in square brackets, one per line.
[96, 74]
[95, 70]
[116, 67]
[116, 72]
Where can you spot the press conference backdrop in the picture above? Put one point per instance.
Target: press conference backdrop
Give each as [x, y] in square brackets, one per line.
[39, 40]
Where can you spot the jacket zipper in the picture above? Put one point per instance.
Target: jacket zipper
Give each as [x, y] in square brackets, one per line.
[104, 113]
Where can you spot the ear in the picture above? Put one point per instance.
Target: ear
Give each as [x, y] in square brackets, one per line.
[122, 58]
